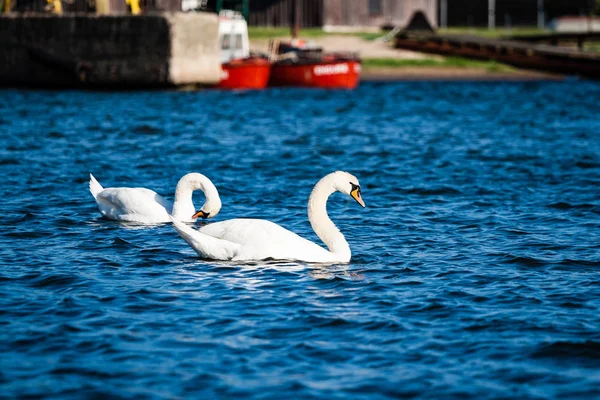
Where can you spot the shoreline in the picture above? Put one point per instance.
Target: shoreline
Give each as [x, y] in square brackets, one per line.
[383, 74]
[390, 64]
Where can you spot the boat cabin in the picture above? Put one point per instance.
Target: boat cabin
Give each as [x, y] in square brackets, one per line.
[233, 36]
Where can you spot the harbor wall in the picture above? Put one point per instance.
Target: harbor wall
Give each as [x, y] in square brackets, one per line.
[152, 50]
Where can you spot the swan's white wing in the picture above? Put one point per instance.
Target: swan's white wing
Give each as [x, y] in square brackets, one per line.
[95, 186]
[206, 246]
[249, 231]
[134, 205]
[261, 239]
[252, 239]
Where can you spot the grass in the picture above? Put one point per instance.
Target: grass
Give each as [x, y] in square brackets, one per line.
[447, 62]
[592, 46]
[257, 32]
[493, 33]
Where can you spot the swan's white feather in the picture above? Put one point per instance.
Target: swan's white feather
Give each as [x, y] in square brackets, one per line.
[95, 186]
[146, 206]
[134, 205]
[262, 239]
[205, 245]
[256, 239]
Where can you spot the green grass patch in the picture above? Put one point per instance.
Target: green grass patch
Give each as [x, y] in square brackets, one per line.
[591, 46]
[365, 35]
[494, 33]
[447, 62]
[258, 32]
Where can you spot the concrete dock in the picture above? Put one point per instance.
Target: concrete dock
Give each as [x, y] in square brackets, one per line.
[109, 51]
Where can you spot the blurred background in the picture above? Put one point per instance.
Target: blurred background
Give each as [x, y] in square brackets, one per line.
[473, 129]
[348, 13]
[394, 39]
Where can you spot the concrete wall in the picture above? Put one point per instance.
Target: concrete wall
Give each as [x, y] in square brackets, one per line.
[348, 15]
[339, 15]
[160, 49]
[195, 50]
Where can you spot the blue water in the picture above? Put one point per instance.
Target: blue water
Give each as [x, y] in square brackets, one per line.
[475, 269]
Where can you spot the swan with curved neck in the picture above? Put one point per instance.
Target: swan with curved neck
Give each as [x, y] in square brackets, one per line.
[257, 239]
[146, 206]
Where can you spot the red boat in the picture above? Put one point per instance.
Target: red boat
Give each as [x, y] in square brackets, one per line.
[240, 70]
[323, 74]
[246, 73]
[300, 65]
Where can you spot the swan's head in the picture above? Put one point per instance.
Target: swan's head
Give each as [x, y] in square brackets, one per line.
[348, 184]
[212, 205]
[209, 210]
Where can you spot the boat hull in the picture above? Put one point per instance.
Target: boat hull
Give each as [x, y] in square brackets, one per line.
[332, 75]
[245, 74]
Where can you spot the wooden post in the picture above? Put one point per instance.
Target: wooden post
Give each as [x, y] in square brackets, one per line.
[295, 19]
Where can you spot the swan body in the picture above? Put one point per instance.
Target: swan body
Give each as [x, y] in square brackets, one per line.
[143, 205]
[256, 239]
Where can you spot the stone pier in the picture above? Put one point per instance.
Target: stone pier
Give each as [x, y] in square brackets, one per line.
[109, 51]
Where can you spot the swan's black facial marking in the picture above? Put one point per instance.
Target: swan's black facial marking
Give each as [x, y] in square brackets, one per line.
[355, 194]
[201, 214]
[354, 187]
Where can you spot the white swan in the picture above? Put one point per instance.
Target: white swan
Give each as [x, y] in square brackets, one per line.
[257, 239]
[145, 206]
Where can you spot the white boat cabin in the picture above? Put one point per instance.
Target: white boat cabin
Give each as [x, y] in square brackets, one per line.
[233, 36]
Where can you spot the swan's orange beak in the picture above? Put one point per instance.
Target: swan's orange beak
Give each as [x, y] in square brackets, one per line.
[356, 196]
[200, 214]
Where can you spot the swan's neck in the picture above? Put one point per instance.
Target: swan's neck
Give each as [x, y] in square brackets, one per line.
[322, 224]
[183, 206]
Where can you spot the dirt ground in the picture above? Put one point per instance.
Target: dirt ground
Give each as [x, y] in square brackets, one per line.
[365, 48]
[378, 49]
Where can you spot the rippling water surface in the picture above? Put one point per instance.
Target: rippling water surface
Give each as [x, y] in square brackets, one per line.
[475, 268]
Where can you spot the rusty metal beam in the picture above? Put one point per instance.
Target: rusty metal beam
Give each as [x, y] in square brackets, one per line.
[518, 54]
